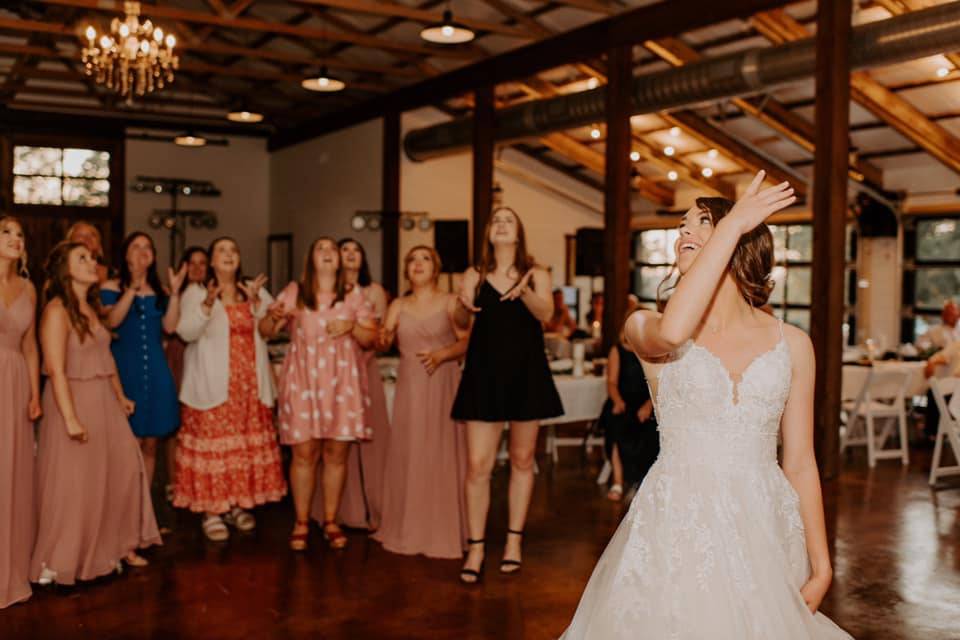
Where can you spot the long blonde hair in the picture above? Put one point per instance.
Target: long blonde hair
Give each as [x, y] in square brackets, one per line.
[22, 261]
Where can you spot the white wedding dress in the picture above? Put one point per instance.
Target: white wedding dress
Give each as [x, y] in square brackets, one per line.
[712, 547]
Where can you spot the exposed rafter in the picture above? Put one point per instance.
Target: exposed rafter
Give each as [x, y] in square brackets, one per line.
[779, 27]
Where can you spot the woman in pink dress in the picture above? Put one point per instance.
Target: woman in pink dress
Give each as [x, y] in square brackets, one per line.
[321, 387]
[19, 406]
[93, 496]
[424, 511]
[228, 460]
[362, 502]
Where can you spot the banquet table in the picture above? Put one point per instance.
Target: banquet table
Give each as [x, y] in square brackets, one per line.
[854, 376]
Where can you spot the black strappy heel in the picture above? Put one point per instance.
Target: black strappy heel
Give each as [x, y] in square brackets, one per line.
[511, 566]
[476, 574]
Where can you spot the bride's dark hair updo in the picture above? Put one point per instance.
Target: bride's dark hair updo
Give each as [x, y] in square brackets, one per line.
[752, 260]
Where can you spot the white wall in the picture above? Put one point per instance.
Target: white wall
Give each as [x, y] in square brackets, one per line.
[878, 300]
[317, 186]
[241, 172]
[550, 204]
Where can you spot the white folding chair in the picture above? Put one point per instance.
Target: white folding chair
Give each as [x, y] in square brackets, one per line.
[882, 397]
[948, 429]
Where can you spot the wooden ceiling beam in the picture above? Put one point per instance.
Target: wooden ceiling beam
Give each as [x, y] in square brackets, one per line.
[596, 6]
[632, 26]
[780, 27]
[295, 59]
[252, 24]
[397, 10]
[592, 159]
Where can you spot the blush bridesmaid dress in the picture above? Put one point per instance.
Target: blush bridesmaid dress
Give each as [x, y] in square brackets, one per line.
[17, 511]
[93, 497]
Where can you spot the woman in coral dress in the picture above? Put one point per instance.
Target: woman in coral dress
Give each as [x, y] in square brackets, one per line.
[424, 511]
[93, 496]
[228, 459]
[19, 406]
[362, 502]
[322, 403]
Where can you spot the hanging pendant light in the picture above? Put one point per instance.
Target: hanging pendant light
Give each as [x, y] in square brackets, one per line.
[447, 31]
[243, 114]
[324, 82]
[190, 139]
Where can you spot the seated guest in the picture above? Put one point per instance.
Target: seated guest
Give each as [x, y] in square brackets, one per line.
[942, 335]
[943, 364]
[596, 308]
[561, 321]
[629, 425]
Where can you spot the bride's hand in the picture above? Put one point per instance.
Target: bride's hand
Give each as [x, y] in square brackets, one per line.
[756, 205]
[814, 591]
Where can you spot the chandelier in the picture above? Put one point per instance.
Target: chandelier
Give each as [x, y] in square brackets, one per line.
[134, 58]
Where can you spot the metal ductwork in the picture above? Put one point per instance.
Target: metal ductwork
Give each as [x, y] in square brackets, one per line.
[906, 37]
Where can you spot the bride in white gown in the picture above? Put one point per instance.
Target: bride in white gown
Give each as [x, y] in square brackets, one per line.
[719, 542]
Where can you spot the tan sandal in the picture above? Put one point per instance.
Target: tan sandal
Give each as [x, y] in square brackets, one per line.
[242, 520]
[298, 541]
[215, 529]
[337, 539]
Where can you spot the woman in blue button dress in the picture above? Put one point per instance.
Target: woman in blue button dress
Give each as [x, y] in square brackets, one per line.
[138, 311]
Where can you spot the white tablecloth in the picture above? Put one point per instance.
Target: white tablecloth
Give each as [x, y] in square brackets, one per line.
[582, 398]
[855, 376]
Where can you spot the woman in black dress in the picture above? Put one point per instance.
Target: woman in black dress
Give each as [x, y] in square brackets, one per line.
[628, 421]
[506, 378]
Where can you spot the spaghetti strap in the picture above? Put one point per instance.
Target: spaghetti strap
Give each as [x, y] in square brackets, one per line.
[781, 328]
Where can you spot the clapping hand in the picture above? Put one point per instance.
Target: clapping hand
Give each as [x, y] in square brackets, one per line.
[522, 286]
[756, 204]
[251, 289]
[176, 278]
[277, 312]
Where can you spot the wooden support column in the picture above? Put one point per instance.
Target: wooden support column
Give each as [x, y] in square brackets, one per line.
[832, 120]
[390, 206]
[483, 125]
[616, 209]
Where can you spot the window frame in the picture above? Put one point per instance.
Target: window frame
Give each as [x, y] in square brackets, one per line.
[780, 309]
[911, 265]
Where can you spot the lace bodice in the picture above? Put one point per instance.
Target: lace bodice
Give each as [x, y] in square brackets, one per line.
[705, 414]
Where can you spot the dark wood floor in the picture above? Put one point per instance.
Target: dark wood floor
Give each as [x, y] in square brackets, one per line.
[897, 574]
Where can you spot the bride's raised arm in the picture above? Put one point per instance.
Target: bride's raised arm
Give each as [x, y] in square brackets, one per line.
[651, 334]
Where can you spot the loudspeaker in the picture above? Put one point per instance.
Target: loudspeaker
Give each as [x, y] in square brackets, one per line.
[451, 238]
[589, 252]
[876, 219]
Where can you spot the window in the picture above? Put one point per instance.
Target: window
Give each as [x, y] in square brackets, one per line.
[61, 177]
[931, 271]
[653, 258]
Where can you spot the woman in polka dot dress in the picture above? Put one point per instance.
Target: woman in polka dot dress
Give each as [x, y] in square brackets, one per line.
[321, 383]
